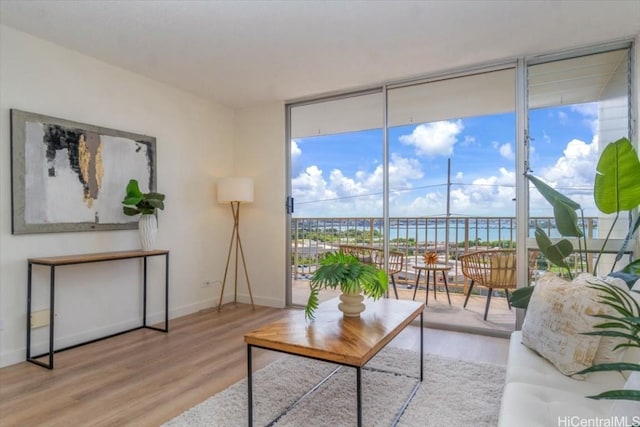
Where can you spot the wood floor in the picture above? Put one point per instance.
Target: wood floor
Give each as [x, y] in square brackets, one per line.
[146, 378]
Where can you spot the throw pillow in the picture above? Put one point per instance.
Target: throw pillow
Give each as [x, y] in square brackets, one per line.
[628, 410]
[558, 312]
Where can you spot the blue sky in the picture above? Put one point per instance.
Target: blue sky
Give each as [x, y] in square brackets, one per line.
[341, 175]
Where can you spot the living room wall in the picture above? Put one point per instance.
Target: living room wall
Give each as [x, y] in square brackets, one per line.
[195, 146]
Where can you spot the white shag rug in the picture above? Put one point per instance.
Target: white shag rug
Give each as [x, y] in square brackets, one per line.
[454, 393]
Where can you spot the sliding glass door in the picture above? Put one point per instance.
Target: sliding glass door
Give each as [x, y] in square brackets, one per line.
[437, 167]
[577, 106]
[336, 161]
[452, 188]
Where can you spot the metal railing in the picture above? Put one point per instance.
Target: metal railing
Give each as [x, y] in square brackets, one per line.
[448, 238]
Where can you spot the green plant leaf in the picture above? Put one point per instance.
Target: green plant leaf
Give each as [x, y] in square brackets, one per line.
[618, 395]
[555, 253]
[133, 189]
[552, 194]
[617, 182]
[130, 211]
[566, 219]
[520, 297]
[155, 196]
[604, 367]
[633, 267]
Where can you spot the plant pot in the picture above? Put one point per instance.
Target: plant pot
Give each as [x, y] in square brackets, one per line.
[351, 305]
[148, 226]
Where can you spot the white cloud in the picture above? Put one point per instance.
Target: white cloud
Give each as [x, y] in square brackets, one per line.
[434, 139]
[572, 175]
[590, 113]
[506, 151]
[459, 176]
[295, 150]
[359, 195]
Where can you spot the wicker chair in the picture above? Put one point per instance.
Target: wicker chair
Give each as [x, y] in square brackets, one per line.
[494, 269]
[373, 255]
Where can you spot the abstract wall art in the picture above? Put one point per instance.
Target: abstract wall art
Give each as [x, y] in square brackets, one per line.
[69, 176]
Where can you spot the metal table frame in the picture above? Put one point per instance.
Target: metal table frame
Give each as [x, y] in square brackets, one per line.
[54, 262]
[358, 382]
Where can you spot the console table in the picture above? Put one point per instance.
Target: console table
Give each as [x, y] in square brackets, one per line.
[53, 262]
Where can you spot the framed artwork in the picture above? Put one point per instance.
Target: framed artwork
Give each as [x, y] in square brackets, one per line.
[69, 176]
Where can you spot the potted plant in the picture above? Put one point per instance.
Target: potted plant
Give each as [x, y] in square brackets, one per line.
[352, 276]
[616, 189]
[146, 205]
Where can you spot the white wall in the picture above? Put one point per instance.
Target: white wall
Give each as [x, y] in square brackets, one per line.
[194, 145]
[259, 152]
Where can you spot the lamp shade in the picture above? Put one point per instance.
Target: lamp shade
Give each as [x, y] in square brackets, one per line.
[235, 190]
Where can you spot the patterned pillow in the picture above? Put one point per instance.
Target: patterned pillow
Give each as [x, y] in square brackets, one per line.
[558, 312]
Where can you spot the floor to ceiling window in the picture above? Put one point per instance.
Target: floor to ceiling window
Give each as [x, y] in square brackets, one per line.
[336, 160]
[452, 188]
[577, 106]
[429, 167]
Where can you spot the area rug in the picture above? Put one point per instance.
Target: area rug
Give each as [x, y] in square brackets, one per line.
[454, 393]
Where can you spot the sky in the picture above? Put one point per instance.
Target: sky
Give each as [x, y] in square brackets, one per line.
[341, 175]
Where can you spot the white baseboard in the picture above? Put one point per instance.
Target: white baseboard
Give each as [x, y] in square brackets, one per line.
[19, 355]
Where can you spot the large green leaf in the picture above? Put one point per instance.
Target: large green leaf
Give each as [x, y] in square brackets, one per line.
[520, 297]
[555, 253]
[551, 194]
[566, 219]
[633, 267]
[617, 182]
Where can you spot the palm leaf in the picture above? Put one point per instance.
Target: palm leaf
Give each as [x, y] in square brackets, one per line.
[618, 395]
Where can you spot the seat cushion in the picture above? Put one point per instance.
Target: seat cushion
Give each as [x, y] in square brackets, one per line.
[531, 405]
[526, 366]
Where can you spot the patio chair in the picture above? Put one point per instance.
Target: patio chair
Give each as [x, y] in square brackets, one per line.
[493, 269]
[373, 255]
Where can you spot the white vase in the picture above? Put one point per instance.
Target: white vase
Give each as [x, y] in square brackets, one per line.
[351, 305]
[148, 226]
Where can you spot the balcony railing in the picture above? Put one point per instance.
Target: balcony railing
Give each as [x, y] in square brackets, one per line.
[449, 238]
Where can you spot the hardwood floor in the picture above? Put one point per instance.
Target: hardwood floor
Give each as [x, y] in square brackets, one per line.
[145, 378]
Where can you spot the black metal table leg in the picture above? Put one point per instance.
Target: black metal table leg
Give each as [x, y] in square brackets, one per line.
[416, 287]
[52, 281]
[359, 394]
[144, 292]
[249, 386]
[426, 301]
[421, 345]
[446, 287]
[166, 293]
[29, 311]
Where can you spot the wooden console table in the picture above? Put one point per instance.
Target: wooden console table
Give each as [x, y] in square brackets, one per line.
[54, 262]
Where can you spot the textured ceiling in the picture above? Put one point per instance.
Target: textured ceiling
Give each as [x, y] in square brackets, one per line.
[243, 53]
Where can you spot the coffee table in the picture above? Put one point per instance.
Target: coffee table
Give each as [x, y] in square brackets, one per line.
[334, 338]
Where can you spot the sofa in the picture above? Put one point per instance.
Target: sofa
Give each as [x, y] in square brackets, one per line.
[537, 393]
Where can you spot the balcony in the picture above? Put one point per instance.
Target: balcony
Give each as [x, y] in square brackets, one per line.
[448, 238]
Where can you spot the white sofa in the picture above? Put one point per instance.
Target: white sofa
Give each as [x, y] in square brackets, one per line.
[537, 394]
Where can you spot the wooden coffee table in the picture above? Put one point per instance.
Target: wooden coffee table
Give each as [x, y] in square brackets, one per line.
[334, 338]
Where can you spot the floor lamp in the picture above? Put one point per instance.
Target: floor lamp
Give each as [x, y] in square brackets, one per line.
[235, 191]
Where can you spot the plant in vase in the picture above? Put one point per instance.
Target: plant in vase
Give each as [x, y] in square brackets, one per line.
[352, 276]
[616, 189]
[146, 205]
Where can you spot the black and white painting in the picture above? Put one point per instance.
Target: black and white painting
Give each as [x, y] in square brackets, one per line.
[69, 176]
